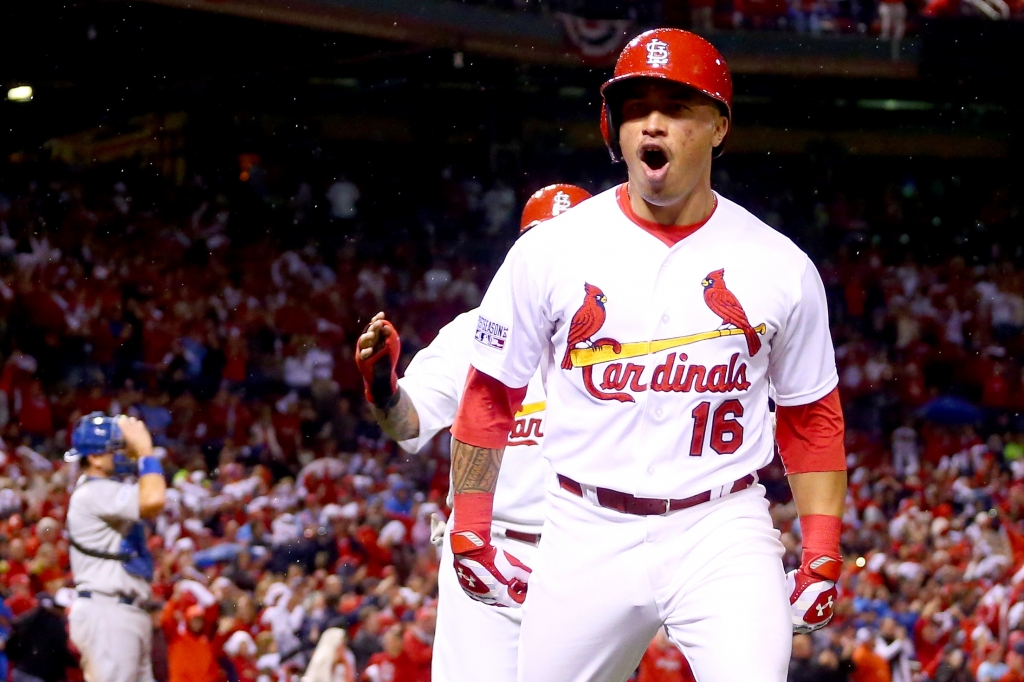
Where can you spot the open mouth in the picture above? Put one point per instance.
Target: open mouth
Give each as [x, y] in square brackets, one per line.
[654, 158]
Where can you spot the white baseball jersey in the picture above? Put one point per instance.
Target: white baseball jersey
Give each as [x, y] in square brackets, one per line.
[100, 514]
[664, 392]
[434, 382]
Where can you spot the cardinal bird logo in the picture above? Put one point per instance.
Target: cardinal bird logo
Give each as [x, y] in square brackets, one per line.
[586, 322]
[724, 304]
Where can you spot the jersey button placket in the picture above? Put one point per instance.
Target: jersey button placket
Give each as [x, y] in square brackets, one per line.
[654, 415]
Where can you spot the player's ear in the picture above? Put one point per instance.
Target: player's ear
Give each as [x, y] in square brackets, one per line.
[721, 123]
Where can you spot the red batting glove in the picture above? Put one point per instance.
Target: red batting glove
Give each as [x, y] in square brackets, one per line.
[380, 382]
[812, 587]
[486, 574]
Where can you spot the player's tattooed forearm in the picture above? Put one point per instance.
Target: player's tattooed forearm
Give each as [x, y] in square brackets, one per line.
[398, 417]
[474, 469]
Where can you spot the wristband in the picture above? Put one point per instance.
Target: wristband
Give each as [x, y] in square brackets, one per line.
[821, 533]
[821, 554]
[150, 465]
[473, 512]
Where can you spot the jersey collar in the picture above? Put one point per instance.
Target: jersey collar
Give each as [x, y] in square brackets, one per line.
[669, 235]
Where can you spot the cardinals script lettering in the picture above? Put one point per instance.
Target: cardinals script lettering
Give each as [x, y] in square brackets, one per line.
[667, 377]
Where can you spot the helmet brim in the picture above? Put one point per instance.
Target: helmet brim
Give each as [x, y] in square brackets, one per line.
[607, 88]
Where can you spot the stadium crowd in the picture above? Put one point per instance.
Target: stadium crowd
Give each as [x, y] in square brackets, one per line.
[297, 538]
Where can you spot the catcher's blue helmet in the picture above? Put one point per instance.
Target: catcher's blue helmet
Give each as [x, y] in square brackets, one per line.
[95, 434]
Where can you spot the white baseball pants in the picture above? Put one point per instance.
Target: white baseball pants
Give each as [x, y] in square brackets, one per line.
[474, 641]
[603, 583]
[115, 640]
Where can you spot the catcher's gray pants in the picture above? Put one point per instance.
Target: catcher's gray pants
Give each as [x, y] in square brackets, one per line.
[115, 639]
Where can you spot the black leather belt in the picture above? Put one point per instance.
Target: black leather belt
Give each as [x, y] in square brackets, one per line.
[122, 598]
[647, 506]
[528, 538]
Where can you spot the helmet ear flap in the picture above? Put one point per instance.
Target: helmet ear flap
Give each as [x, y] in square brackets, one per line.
[610, 131]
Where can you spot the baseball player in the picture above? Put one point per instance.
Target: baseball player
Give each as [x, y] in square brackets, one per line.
[109, 558]
[666, 313]
[471, 637]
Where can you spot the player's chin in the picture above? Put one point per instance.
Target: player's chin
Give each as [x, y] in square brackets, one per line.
[655, 191]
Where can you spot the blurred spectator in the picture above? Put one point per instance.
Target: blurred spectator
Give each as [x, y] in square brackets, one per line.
[868, 665]
[993, 668]
[499, 205]
[38, 646]
[34, 415]
[240, 649]
[905, 458]
[343, 195]
[368, 641]
[894, 647]
[392, 664]
[332, 661]
[954, 667]
[702, 13]
[836, 665]
[893, 17]
[20, 600]
[663, 662]
[6, 621]
[193, 641]
[418, 644]
[825, 667]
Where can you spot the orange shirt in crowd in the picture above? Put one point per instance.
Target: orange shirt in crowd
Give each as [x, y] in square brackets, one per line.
[869, 666]
[191, 657]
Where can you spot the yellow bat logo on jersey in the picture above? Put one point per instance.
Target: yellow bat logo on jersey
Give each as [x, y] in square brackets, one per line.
[667, 377]
[585, 357]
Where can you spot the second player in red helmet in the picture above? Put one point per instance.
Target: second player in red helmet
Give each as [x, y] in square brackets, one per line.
[658, 375]
[550, 202]
[472, 641]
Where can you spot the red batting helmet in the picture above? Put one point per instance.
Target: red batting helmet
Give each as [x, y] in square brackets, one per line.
[671, 54]
[548, 202]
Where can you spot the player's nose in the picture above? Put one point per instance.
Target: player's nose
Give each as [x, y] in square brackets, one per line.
[655, 124]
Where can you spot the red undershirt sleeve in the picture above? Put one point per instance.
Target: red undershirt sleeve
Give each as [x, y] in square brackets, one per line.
[487, 411]
[811, 437]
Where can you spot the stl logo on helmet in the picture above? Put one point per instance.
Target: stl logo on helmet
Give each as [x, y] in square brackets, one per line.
[560, 204]
[657, 53]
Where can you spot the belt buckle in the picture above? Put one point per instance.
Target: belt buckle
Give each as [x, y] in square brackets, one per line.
[668, 507]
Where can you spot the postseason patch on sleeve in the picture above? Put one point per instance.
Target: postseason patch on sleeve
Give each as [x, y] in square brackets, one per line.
[491, 334]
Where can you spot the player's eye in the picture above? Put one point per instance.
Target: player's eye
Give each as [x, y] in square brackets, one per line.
[630, 109]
